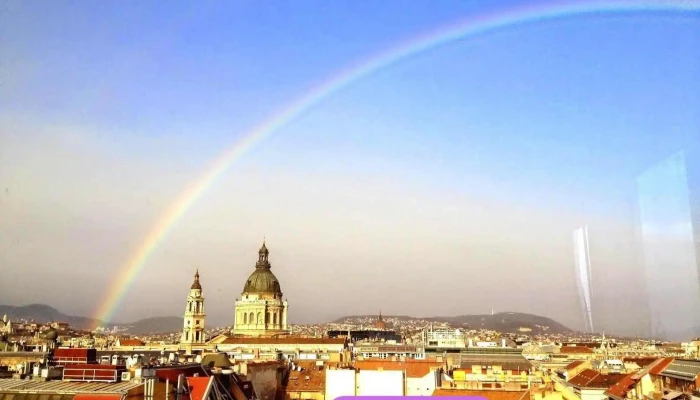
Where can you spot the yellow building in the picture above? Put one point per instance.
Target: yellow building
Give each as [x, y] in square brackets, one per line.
[261, 311]
[193, 329]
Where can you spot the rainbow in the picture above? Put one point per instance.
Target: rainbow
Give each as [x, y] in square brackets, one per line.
[446, 34]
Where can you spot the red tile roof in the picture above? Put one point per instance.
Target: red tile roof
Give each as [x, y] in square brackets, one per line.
[660, 365]
[197, 387]
[488, 394]
[575, 350]
[310, 379]
[619, 390]
[574, 364]
[591, 379]
[413, 368]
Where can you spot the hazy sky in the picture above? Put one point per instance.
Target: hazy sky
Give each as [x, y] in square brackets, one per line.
[449, 183]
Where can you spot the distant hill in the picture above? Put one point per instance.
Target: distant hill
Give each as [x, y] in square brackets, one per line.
[43, 313]
[154, 325]
[502, 322]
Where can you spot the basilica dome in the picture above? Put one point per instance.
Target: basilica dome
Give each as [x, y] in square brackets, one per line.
[262, 280]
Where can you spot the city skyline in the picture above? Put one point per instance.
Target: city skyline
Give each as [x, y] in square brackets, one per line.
[470, 170]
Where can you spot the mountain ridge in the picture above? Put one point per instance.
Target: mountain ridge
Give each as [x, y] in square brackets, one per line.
[44, 313]
[507, 322]
[504, 322]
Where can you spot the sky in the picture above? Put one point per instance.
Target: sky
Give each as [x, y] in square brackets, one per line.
[448, 183]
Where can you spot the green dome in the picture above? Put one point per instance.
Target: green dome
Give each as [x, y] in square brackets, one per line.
[262, 280]
[51, 334]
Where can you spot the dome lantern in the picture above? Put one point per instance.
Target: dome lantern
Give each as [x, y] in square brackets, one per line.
[262, 280]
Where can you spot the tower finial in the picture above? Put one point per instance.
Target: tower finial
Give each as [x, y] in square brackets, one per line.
[196, 285]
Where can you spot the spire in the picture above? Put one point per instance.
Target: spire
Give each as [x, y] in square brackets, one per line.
[380, 316]
[263, 254]
[196, 285]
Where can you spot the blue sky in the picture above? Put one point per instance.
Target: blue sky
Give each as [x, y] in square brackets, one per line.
[559, 117]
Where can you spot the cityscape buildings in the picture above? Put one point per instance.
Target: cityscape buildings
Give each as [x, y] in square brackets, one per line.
[583, 274]
[260, 358]
[668, 228]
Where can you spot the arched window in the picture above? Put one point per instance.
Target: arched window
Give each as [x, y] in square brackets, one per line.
[274, 318]
[251, 318]
[260, 318]
[245, 318]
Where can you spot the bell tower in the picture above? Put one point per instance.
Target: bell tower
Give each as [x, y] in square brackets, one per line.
[193, 329]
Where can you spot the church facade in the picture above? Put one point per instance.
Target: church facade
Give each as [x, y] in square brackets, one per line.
[261, 310]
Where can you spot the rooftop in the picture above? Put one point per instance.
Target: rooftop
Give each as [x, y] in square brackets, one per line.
[488, 394]
[282, 341]
[591, 379]
[311, 379]
[682, 369]
[660, 366]
[413, 368]
[619, 390]
[574, 364]
[64, 387]
[575, 350]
